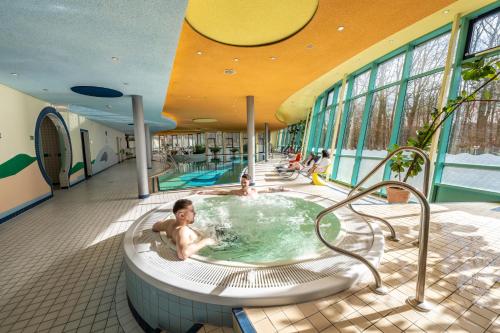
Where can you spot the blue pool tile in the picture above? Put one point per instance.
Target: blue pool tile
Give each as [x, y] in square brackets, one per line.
[174, 309]
[163, 302]
[199, 305]
[173, 298]
[200, 315]
[186, 302]
[186, 312]
[214, 307]
[227, 319]
[186, 325]
[174, 323]
[215, 318]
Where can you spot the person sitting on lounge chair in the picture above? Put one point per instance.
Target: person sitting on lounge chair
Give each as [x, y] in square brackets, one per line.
[322, 165]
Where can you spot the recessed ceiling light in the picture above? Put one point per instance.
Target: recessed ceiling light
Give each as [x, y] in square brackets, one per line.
[45, 89]
[340, 28]
[273, 58]
[199, 53]
[236, 59]
[115, 59]
[189, 96]
[309, 46]
[229, 71]
[13, 74]
[204, 120]
[125, 83]
[446, 11]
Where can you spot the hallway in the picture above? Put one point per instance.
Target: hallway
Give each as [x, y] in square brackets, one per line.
[61, 260]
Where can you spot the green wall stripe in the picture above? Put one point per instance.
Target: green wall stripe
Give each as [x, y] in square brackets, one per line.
[75, 168]
[15, 164]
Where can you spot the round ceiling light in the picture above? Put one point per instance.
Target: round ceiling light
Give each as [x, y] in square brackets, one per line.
[204, 120]
[249, 23]
[229, 71]
[96, 91]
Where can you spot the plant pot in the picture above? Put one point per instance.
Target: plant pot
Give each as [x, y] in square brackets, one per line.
[397, 195]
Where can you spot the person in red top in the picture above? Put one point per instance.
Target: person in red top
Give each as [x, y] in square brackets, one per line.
[298, 158]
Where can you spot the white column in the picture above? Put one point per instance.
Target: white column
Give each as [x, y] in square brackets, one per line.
[251, 137]
[140, 146]
[266, 141]
[149, 151]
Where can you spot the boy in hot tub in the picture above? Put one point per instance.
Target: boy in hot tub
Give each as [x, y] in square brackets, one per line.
[244, 191]
[187, 241]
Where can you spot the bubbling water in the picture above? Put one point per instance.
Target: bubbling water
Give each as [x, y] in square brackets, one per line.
[263, 229]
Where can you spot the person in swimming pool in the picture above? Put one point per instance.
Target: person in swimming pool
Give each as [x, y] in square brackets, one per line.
[244, 191]
[187, 241]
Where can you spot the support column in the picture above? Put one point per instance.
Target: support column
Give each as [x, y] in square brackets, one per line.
[241, 144]
[140, 147]
[251, 138]
[206, 143]
[266, 141]
[149, 151]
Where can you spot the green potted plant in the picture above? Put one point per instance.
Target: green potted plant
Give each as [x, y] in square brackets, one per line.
[215, 150]
[234, 150]
[199, 149]
[478, 71]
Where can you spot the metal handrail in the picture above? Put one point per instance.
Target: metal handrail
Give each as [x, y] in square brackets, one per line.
[427, 164]
[418, 302]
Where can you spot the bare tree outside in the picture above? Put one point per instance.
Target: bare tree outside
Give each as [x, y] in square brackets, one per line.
[485, 34]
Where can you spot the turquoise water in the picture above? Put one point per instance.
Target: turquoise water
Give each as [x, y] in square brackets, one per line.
[265, 229]
[224, 170]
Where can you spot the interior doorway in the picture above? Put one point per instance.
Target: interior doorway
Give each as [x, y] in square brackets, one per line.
[53, 148]
[87, 162]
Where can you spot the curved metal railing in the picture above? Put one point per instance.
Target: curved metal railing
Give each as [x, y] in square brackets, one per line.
[427, 164]
[418, 301]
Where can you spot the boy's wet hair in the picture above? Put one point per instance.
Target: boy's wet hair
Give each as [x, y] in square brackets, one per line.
[181, 204]
[246, 176]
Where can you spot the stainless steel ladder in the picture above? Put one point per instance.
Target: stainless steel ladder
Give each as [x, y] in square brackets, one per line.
[418, 302]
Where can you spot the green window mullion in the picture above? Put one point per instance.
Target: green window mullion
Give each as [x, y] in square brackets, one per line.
[314, 123]
[333, 112]
[321, 119]
[343, 124]
[444, 137]
[398, 114]
[364, 125]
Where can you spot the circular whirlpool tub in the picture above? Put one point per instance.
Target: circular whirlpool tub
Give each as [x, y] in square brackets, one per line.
[267, 254]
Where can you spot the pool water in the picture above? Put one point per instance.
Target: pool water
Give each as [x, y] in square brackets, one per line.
[225, 170]
[266, 229]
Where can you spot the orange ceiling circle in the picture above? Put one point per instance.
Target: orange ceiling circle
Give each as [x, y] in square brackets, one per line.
[249, 23]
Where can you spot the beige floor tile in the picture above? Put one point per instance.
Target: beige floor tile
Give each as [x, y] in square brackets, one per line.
[293, 313]
[264, 326]
[319, 321]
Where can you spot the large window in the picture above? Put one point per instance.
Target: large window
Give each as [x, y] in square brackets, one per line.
[476, 128]
[379, 128]
[427, 66]
[353, 127]
[471, 156]
[484, 33]
[421, 98]
[356, 108]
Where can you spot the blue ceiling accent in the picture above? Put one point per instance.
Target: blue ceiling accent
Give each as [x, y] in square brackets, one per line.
[126, 45]
[96, 91]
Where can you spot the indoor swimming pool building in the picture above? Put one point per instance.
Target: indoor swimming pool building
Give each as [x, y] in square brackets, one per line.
[250, 166]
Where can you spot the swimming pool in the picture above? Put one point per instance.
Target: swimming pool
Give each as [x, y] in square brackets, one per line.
[215, 171]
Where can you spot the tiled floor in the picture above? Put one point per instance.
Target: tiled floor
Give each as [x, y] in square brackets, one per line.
[463, 280]
[60, 263]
